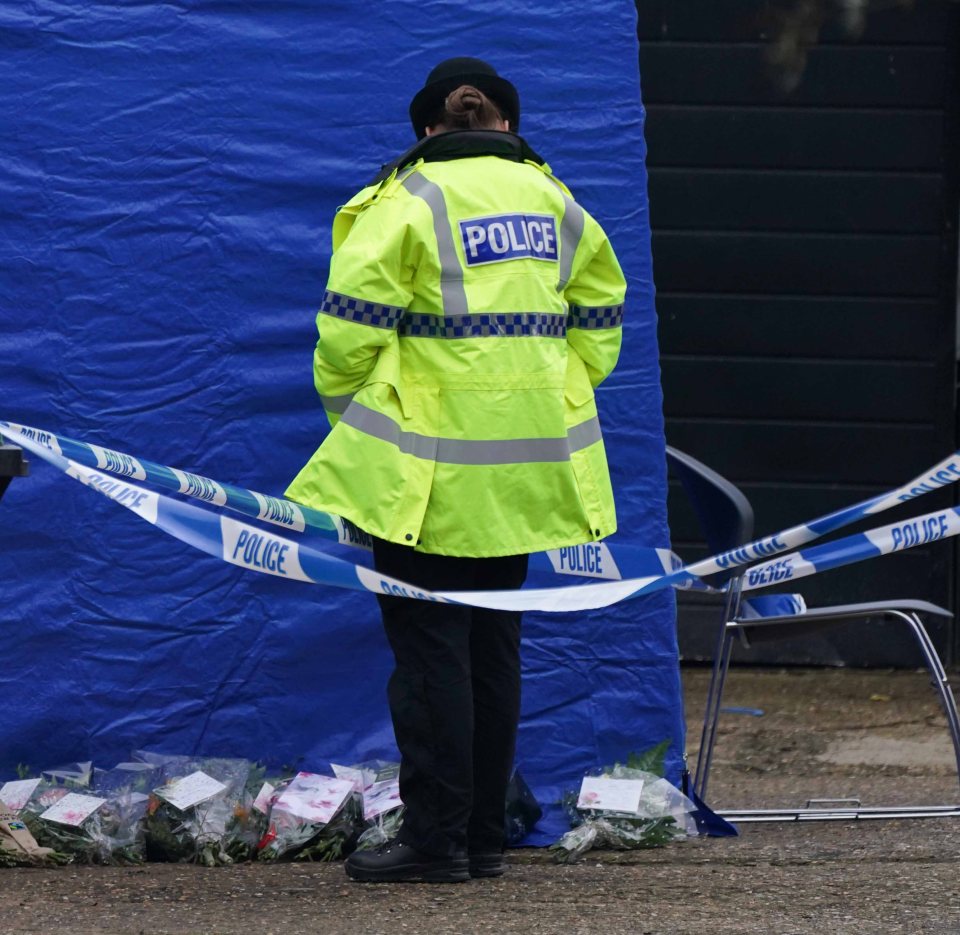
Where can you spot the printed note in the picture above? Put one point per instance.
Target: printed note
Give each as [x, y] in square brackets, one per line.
[17, 793]
[314, 798]
[73, 809]
[610, 795]
[190, 790]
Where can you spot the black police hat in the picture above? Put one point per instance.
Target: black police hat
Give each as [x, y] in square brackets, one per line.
[450, 75]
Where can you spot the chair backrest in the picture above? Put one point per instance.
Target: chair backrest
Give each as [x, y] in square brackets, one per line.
[725, 514]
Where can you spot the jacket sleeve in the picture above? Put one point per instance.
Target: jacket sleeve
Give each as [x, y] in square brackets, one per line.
[595, 294]
[369, 288]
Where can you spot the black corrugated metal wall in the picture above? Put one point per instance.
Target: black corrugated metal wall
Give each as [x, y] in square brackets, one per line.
[805, 255]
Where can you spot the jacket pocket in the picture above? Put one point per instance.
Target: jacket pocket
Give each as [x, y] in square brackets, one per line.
[577, 391]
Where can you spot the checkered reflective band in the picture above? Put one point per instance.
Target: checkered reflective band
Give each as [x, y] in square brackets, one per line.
[485, 325]
[604, 316]
[359, 310]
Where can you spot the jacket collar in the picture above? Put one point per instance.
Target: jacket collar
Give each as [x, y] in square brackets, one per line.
[461, 144]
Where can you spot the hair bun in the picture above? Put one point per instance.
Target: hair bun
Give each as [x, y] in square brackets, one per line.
[468, 108]
[464, 98]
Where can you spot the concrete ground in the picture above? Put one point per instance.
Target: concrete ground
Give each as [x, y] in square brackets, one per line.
[876, 736]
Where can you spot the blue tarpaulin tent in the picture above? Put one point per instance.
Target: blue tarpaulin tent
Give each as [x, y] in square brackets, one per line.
[168, 178]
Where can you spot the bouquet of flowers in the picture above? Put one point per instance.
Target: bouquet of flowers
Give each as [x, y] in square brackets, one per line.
[18, 847]
[67, 811]
[376, 789]
[200, 810]
[625, 807]
[311, 817]
[16, 793]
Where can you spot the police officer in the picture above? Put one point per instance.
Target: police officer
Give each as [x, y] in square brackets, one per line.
[472, 308]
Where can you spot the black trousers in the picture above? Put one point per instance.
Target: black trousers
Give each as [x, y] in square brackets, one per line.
[454, 699]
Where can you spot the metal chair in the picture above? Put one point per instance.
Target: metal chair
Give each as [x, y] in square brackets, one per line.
[726, 519]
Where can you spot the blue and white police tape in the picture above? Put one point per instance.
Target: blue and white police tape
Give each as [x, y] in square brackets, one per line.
[897, 537]
[592, 560]
[944, 473]
[237, 542]
[260, 506]
[232, 540]
[606, 561]
[269, 553]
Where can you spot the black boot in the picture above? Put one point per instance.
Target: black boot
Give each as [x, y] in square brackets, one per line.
[486, 865]
[395, 862]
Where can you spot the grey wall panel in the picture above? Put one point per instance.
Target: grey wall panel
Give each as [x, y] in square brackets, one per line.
[787, 453]
[808, 138]
[704, 73]
[815, 201]
[725, 21]
[810, 327]
[847, 391]
[798, 264]
[805, 256]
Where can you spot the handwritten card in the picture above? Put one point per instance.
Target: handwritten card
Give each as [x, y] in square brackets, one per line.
[190, 790]
[610, 795]
[73, 809]
[314, 798]
[16, 794]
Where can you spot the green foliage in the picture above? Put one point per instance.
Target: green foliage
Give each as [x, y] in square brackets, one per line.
[597, 828]
[650, 761]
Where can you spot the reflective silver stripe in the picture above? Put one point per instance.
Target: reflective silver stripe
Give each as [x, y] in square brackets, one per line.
[360, 310]
[571, 230]
[605, 316]
[451, 272]
[483, 325]
[585, 434]
[336, 403]
[473, 451]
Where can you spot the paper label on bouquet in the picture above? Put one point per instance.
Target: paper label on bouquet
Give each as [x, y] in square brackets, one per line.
[73, 809]
[191, 790]
[381, 797]
[17, 793]
[349, 772]
[610, 795]
[314, 798]
[262, 802]
[49, 796]
[388, 772]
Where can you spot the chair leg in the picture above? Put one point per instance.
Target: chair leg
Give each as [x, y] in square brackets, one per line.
[939, 678]
[711, 715]
[718, 676]
[947, 701]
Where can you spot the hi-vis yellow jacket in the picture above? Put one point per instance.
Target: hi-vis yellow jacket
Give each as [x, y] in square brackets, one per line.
[471, 309]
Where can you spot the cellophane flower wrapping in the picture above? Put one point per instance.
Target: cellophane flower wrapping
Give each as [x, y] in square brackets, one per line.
[311, 817]
[200, 809]
[376, 786]
[93, 816]
[664, 814]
